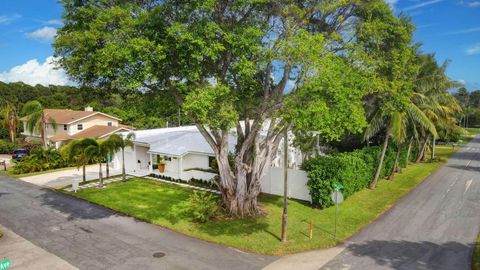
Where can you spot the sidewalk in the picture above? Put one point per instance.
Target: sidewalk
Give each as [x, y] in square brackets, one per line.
[310, 260]
[25, 255]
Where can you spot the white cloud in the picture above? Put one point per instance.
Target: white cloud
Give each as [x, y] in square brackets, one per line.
[5, 19]
[46, 34]
[424, 4]
[473, 4]
[392, 3]
[463, 82]
[55, 22]
[32, 72]
[473, 50]
[465, 31]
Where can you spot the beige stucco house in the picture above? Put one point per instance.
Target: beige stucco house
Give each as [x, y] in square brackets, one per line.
[64, 125]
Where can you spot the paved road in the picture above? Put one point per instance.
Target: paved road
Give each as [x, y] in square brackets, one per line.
[433, 227]
[92, 237]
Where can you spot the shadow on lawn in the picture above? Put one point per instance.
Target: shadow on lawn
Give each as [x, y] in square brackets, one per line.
[406, 255]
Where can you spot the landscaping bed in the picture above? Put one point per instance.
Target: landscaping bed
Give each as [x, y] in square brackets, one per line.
[165, 204]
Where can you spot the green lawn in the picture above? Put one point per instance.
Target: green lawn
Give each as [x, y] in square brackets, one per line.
[476, 255]
[164, 204]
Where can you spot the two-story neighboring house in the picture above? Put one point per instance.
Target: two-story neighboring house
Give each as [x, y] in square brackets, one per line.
[64, 125]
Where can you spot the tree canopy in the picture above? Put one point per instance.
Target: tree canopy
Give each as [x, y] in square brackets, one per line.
[258, 67]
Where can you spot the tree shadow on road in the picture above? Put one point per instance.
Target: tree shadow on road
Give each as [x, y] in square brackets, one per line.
[463, 167]
[407, 255]
[72, 207]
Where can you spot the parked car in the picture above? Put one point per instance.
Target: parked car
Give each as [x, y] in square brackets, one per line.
[19, 153]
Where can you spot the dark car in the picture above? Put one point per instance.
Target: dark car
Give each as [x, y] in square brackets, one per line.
[18, 154]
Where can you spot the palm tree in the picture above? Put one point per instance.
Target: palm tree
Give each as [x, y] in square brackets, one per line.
[395, 125]
[432, 97]
[37, 119]
[95, 153]
[78, 156]
[10, 120]
[121, 142]
[110, 149]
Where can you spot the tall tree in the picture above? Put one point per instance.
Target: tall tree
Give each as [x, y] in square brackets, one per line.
[229, 64]
[10, 120]
[386, 39]
[37, 119]
[120, 142]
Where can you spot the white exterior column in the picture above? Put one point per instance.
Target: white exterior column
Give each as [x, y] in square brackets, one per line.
[150, 168]
[135, 157]
[180, 167]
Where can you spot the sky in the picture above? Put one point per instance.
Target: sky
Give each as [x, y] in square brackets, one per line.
[448, 28]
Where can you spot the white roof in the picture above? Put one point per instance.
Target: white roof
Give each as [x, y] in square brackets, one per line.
[176, 141]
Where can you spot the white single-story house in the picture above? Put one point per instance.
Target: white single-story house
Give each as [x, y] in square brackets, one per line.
[184, 151]
[186, 155]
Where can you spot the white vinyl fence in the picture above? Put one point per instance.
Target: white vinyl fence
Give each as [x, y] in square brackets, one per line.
[272, 183]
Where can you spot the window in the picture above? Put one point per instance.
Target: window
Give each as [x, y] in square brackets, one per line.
[65, 127]
[80, 126]
[210, 161]
[109, 124]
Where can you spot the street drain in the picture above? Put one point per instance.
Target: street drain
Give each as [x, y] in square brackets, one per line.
[158, 254]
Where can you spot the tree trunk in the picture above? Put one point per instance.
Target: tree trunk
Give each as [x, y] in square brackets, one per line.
[107, 167]
[12, 134]
[433, 149]
[408, 153]
[123, 165]
[43, 132]
[285, 187]
[421, 155]
[100, 175]
[373, 184]
[395, 165]
[84, 176]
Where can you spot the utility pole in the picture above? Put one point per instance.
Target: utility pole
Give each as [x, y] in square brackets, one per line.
[285, 186]
[179, 117]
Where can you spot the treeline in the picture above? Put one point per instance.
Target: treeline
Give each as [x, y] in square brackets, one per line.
[136, 108]
[470, 102]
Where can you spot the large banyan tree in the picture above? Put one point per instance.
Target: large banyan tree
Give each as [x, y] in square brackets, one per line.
[253, 67]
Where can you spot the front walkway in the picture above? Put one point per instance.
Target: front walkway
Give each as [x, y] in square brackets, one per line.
[63, 178]
[25, 255]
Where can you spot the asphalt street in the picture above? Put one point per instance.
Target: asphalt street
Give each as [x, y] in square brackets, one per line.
[434, 227]
[92, 237]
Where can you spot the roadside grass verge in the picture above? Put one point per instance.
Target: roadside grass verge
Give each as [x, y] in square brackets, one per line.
[9, 172]
[165, 205]
[476, 255]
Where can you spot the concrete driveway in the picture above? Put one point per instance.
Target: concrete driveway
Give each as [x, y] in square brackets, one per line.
[66, 177]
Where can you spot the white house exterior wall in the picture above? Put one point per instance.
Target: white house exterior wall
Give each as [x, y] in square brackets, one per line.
[95, 120]
[191, 161]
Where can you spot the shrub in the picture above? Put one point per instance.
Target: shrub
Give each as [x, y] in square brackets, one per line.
[202, 206]
[354, 170]
[7, 147]
[40, 160]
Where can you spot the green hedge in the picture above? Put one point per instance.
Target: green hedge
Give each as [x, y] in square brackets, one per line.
[40, 160]
[7, 147]
[354, 170]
